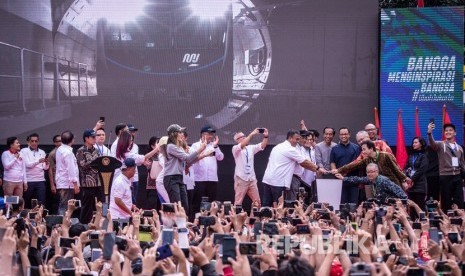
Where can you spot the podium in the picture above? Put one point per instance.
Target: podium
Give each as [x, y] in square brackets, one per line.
[106, 166]
[329, 190]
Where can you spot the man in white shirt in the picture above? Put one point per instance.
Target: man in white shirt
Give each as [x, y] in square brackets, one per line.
[206, 170]
[36, 165]
[298, 175]
[281, 164]
[100, 138]
[119, 128]
[135, 150]
[121, 205]
[67, 172]
[245, 181]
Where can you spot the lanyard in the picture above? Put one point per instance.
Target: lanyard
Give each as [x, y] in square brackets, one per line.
[246, 155]
[414, 158]
[100, 150]
[452, 150]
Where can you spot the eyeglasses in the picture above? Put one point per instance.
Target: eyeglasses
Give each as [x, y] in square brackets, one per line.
[372, 171]
[370, 129]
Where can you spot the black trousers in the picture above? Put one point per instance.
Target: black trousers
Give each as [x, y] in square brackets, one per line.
[190, 199]
[203, 188]
[433, 187]
[88, 196]
[271, 194]
[151, 200]
[451, 191]
[176, 190]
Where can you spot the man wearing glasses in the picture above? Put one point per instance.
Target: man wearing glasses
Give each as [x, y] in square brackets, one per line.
[100, 143]
[245, 181]
[36, 164]
[342, 154]
[380, 144]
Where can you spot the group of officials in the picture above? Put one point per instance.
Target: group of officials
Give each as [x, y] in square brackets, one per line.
[293, 164]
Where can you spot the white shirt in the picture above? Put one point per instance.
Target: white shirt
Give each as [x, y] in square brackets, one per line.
[207, 168]
[34, 169]
[309, 176]
[135, 151]
[113, 147]
[121, 188]
[299, 170]
[161, 175]
[189, 178]
[102, 150]
[244, 159]
[137, 157]
[67, 171]
[14, 169]
[281, 164]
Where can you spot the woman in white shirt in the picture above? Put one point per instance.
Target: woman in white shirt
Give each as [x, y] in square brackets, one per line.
[123, 151]
[14, 174]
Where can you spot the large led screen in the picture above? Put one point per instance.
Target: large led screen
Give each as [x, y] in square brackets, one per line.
[421, 67]
[233, 64]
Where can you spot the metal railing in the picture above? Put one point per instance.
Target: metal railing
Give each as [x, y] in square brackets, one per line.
[29, 77]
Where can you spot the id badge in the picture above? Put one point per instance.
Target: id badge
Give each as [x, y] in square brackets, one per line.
[248, 169]
[455, 162]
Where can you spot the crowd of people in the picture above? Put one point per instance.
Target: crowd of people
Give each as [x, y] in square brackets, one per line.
[390, 221]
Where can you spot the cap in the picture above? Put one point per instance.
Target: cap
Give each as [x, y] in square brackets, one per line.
[88, 133]
[175, 128]
[208, 129]
[163, 141]
[128, 163]
[132, 127]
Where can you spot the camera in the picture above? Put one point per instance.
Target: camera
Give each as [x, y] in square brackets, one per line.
[167, 207]
[205, 206]
[323, 214]
[266, 212]
[360, 269]
[121, 243]
[367, 205]
[290, 203]
[261, 130]
[207, 221]
[147, 213]
[238, 209]
[303, 229]
[431, 205]
[250, 248]
[66, 242]
[270, 228]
